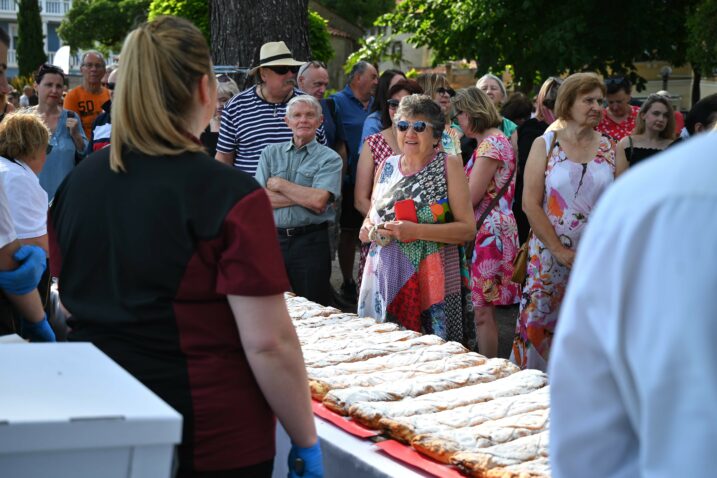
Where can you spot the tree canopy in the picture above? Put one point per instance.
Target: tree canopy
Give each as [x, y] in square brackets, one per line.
[362, 13]
[196, 11]
[539, 38]
[101, 23]
[319, 38]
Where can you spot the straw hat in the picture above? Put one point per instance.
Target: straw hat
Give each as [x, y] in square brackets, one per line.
[275, 53]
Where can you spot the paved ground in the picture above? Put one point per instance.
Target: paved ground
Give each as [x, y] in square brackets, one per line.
[505, 316]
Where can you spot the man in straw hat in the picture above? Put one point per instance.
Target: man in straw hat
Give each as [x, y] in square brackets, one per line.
[254, 118]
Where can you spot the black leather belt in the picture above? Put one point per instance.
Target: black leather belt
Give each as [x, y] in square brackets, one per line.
[298, 231]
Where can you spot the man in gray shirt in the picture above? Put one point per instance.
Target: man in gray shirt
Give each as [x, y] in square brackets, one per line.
[303, 180]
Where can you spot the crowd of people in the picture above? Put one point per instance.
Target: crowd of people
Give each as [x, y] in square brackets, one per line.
[200, 200]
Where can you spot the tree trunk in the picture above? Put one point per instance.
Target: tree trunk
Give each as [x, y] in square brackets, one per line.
[696, 80]
[240, 27]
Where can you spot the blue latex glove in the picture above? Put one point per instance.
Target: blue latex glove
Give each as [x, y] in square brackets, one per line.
[306, 462]
[25, 278]
[38, 331]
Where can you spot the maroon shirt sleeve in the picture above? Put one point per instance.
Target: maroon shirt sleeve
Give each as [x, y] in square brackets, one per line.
[251, 263]
[55, 255]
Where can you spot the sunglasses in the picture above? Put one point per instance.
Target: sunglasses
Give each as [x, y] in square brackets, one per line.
[283, 69]
[418, 126]
[223, 78]
[446, 91]
[111, 86]
[311, 64]
[48, 150]
[614, 81]
[392, 103]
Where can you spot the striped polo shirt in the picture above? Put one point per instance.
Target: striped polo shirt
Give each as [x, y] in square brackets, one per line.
[249, 124]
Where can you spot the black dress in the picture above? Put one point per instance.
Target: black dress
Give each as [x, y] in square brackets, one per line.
[527, 133]
[635, 154]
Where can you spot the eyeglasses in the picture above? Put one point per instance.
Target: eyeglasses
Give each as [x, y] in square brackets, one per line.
[455, 116]
[48, 150]
[111, 86]
[97, 66]
[446, 91]
[311, 64]
[392, 103]
[45, 69]
[418, 126]
[283, 69]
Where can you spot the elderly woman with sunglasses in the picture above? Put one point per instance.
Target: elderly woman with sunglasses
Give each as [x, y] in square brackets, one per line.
[437, 87]
[420, 217]
[226, 89]
[374, 152]
[67, 138]
[491, 182]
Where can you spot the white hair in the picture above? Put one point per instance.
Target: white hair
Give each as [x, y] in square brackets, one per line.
[489, 76]
[306, 99]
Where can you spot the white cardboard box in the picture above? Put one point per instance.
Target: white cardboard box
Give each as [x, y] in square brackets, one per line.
[68, 410]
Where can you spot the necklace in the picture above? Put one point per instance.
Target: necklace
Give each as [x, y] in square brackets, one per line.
[261, 94]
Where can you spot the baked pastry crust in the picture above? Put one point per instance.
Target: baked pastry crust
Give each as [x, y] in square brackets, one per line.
[350, 339]
[539, 468]
[339, 400]
[384, 362]
[441, 446]
[363, 351]
[515, 452]
[321, 386]
[370, 413]
[406, 428]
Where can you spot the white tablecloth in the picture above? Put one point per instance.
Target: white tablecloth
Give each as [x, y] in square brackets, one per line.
[345, 456]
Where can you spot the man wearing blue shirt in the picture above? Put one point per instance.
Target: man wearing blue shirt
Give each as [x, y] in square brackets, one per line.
[353, 106]
[303, 179]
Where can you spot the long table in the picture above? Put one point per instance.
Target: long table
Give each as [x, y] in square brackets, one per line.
[345, 456]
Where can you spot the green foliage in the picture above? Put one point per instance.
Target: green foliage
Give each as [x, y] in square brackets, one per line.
[101, 24]
[702, 36]
[374, 49]
[362, 13]
[19, 82]
[30, 40]
[542, 38]
[196, 11]
[319, 38]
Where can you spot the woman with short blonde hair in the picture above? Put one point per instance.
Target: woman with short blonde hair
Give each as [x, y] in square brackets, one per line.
[491, 182]
[167, 258]
[437, 87]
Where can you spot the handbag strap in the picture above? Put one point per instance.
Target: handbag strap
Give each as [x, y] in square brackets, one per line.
[495, 200]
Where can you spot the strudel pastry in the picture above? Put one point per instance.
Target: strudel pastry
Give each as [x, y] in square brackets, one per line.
[370, 413]
[514, 452]
[539, 468]
[321, 386]
[406, 428]
[373, 334]
[339, 400]
[322, 321]
[313, 358]
[385, 362]
[443, 445]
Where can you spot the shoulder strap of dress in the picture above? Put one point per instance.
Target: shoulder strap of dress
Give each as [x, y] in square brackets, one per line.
[549, 145]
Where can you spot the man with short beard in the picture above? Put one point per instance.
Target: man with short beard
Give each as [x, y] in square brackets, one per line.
[254, 118]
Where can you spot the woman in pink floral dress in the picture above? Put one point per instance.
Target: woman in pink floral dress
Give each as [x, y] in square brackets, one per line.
[489, 170]
[566, 173]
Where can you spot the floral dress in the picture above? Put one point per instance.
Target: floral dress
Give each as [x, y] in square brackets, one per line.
[496, 243]
[421, 285]
[380, 150]
[571, 192]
